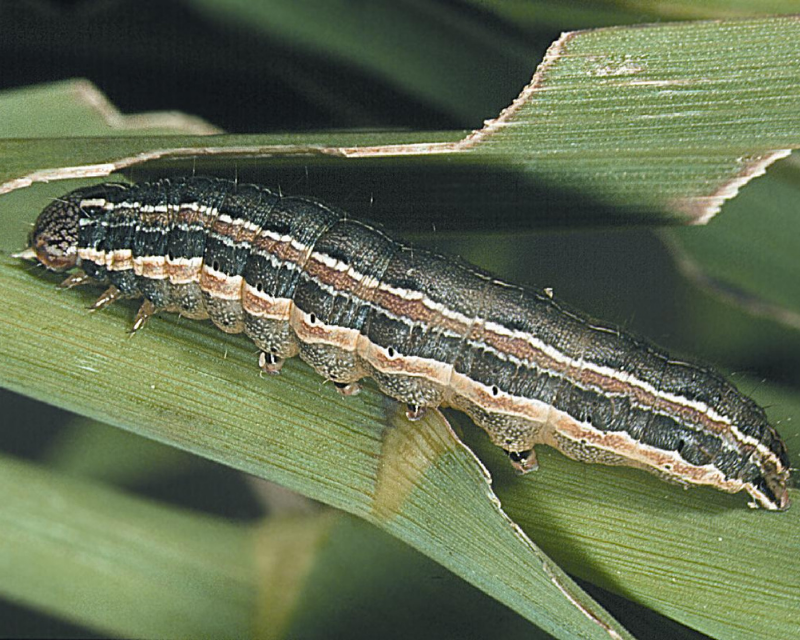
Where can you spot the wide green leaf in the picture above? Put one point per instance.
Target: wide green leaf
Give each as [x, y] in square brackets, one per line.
[664, 120]
[97, 557]
[128, 567]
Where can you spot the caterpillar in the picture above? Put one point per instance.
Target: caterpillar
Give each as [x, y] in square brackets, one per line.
[301, 278]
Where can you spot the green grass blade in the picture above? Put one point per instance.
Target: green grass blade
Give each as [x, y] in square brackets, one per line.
[75, 108]
[125, 566]
[367, 584]
[97, 557]
[663, 117]
[431, 52]
[90, 449]
[532, 14]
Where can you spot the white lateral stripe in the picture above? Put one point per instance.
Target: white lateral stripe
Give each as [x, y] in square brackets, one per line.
[368, 282]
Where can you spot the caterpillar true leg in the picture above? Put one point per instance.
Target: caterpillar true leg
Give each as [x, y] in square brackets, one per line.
[75, 280]
[108, 297]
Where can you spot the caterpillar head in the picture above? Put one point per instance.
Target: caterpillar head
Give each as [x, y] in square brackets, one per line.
[54, 239]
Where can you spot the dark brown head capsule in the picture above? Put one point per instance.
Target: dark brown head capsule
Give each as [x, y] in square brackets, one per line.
[54, 239]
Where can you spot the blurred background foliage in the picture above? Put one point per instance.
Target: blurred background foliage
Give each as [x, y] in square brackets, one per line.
[275, 66]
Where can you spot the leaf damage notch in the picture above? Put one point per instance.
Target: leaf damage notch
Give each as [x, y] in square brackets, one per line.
[700, 209]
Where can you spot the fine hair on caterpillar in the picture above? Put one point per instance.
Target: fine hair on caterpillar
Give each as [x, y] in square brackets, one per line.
[300, 278]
